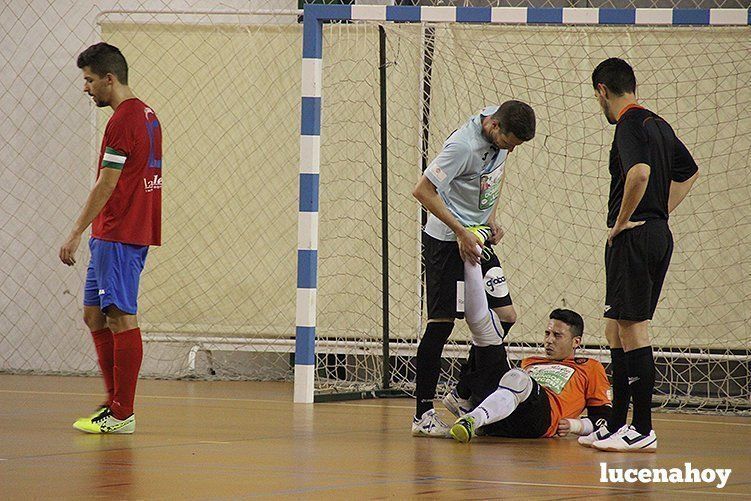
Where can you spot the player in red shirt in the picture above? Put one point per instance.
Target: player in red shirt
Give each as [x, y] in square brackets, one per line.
[124, 209]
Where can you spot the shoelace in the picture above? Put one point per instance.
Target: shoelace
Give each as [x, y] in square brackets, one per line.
[101, 417]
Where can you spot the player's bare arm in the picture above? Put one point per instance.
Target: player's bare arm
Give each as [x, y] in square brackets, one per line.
[633, 191]
[597, 416]
[495, 226]
[497, 230]
[425, 192]
[583, 426]
[564, 427]
[678, 191]
[98, 197]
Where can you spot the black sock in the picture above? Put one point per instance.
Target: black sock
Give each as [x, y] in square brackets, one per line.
[506, 326]
[641, 374]
[481, 376]
[429, 363]
[473, 382]
[492, 364]
[621, 391]
[463, 386]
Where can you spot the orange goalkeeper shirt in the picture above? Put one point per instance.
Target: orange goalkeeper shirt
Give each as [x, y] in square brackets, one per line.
[572, 385]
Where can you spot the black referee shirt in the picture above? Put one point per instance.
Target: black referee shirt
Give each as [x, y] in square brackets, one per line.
[644, 137]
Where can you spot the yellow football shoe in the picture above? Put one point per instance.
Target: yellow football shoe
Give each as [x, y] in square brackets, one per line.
[105, 422]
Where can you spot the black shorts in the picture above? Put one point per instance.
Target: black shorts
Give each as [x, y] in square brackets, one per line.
[531, 419]
[635, 269]
[444, 268]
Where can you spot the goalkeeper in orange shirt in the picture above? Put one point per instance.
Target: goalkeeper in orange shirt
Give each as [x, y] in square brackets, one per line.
[544, 398]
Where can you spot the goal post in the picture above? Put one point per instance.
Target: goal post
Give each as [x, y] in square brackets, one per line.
[587, 217]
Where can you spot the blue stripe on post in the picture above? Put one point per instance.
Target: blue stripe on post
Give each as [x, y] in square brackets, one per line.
[312, 32]
[313, 16]
[406, 13]
[617, 16]
[305, 342]
[544, 15]
[310, 124]
[331, 12]
[473, 15]
[690, 16]
[309, 192]
[312, 38]
[307, 268]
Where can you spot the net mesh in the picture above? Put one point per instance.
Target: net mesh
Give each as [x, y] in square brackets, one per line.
[218, 298]
[220, 287]
[555, 195]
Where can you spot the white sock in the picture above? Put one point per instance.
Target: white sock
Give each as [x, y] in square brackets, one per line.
[482, 321]
[475, 302]
[499, 405]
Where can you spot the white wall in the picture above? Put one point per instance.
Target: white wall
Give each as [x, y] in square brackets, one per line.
[47, 160]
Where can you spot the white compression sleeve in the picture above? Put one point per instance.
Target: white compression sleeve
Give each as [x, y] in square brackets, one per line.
[483, 322]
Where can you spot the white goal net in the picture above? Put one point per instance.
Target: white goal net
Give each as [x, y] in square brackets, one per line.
[218, 298]
[553, 204]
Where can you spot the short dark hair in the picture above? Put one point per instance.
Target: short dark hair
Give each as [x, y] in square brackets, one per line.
[103, 58]
[517, 118]
[616, 74]
[570, 318]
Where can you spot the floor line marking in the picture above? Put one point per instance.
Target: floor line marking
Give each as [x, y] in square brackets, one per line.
[598, 487]
[346, 404]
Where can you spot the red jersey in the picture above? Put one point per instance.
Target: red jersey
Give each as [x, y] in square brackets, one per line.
[132, 142]
[572, 385]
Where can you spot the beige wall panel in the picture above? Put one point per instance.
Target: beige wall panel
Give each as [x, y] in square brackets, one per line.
[228, 99]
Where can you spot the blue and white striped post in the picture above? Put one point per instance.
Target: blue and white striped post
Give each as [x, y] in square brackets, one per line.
[310, 132]
[307, 219]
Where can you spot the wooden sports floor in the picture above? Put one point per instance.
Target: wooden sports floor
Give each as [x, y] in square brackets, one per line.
[238, 440]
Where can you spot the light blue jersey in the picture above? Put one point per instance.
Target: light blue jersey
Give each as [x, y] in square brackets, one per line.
[467, 175]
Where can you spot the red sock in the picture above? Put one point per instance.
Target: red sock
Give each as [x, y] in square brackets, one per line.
[128, 355]
[105, 352]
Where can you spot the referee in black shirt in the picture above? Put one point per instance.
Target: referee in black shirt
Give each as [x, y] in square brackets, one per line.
[651, 172]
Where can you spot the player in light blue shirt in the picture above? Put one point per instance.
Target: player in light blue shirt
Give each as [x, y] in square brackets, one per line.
[467, 175]
[460, 189]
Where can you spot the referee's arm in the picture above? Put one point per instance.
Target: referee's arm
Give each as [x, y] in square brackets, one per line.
[683, 174]
[637, 179]
[678, 191]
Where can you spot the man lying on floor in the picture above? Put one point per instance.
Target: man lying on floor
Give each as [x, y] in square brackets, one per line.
[542, 399]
